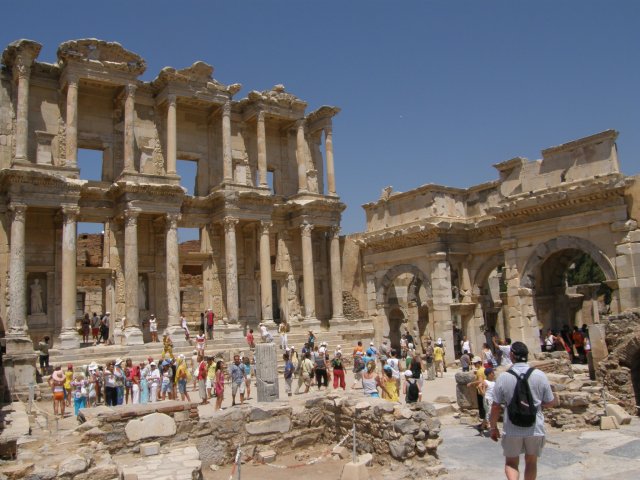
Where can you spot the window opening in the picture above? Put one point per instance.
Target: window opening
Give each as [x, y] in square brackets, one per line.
[188, 172]
[90, 164]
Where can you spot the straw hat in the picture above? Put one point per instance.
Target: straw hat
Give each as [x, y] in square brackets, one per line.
[58, 376]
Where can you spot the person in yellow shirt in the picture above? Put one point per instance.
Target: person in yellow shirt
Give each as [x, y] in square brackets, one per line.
[438, 359]
[388, 385]
[68, 377]
[480, 389]
[211, 376]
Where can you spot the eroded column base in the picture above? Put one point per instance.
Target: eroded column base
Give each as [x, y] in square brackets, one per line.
[133, 336]
[69, 339]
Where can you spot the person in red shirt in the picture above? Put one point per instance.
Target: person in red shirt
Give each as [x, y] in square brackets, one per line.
[210, 317]
[250, 340]
[578, 341]
[202, 380]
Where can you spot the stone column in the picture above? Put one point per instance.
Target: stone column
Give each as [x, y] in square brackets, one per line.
[227, 162]
[174, 328]
[69, 332]
[336, 274]
[301, 157]
[129, 135]
[441, 289]
[266, 296]
[266, 358]
[133, 334]
[23, 68]
[307, 272]
[171, 134]
[262, 151]
[231, 268]
[72, 123]
[17, 326]
[328, 148]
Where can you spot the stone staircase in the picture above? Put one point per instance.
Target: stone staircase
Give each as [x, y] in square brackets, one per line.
[228, 340]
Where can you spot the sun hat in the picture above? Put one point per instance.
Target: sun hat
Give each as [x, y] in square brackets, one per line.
[57, 375]
[371, 344]
[476, 359]
[118, 362]
[153, 364]
[387, 368]
[408, 373]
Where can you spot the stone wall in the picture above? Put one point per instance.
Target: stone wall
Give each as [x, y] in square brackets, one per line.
[387, 430]
[620, 370]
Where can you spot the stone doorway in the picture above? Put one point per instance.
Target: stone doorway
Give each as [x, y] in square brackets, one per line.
[396, 320]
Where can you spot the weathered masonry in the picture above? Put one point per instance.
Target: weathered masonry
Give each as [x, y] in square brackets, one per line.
[447, 262]
[268, 222]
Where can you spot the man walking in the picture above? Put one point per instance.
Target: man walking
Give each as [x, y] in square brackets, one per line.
[237, 373]
[517, 439]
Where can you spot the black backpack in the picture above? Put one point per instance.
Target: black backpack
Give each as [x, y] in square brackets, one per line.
[521, 409]
[413, 392]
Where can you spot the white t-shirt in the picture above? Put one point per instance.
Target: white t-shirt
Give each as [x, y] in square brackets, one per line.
[506, 352]
[488, 394]
[466, 346]
[395, 369]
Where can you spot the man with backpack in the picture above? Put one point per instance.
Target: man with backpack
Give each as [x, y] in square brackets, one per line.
[524, 392]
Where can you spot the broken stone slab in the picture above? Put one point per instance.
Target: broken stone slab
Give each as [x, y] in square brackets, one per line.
[72, 466]
[150, 448]
[280, 424]
[616, 411]
[341, 451]
[267, 456]
[150, 426]
[608, 423]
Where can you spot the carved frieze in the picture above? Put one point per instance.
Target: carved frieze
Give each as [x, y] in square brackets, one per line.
[109, 55]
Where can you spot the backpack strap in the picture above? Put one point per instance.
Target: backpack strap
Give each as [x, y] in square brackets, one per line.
[528, 374]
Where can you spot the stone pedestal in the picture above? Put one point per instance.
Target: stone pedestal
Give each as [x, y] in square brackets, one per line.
[133, 336]
[19, 364]
[599, 349]
[267, 372]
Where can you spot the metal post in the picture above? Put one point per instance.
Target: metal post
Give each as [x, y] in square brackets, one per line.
[238, 461]
[355, 454]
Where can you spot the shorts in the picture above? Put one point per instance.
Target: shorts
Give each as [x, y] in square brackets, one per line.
[58, 395]
[166, 388]
[209, 383]
[238, 387]
[182, 386]
[95, 331]
[514, 446]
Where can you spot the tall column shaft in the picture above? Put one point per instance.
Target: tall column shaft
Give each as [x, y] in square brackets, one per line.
[17, 326]
[22, 113]
[173, 271]
[328, 148]
[68, 333]
[262, 151]
[336, 274]
[301, 158]
[171, 135]
[266, 296]
[231, 261]
[227, 165]
[129, 136]
[307, 272]
[72, 123]
[131, 268]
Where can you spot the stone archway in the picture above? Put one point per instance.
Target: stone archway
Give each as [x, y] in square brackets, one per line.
[545, 273]
[396, 320]
[393, 273]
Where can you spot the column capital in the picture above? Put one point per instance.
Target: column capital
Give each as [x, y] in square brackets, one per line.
[230, 224]
[328, 129]
[306, 229]
[226, 108]
[334, 230]
[265, 225]
[172, 220]
[130, 90]
[261, 115]
[437, 256]
[172, 99]
[70, 213]
[18, 211]
[131, 217]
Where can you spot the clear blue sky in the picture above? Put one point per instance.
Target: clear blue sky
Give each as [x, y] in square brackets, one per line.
[430, 91]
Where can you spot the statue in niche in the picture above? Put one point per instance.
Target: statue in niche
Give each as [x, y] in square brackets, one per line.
[142, 294]
[36, 297]
[292, 298]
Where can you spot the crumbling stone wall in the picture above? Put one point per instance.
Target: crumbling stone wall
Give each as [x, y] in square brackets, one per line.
[351, 307]
[620, 371]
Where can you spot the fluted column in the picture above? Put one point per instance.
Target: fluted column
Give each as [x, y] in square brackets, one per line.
[328, 148]
[307, 272]
[72, 123]
[129, 135]
[227, 165]
[133, 334]
[336, 274]
[266, 296]
[17, 326]
[300, 157]
[171, 134]
[262, 151]
[231, 268]
[68, 333]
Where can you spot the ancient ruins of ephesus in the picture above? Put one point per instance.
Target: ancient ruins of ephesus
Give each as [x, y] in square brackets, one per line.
[492, 257]
[268, 225]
